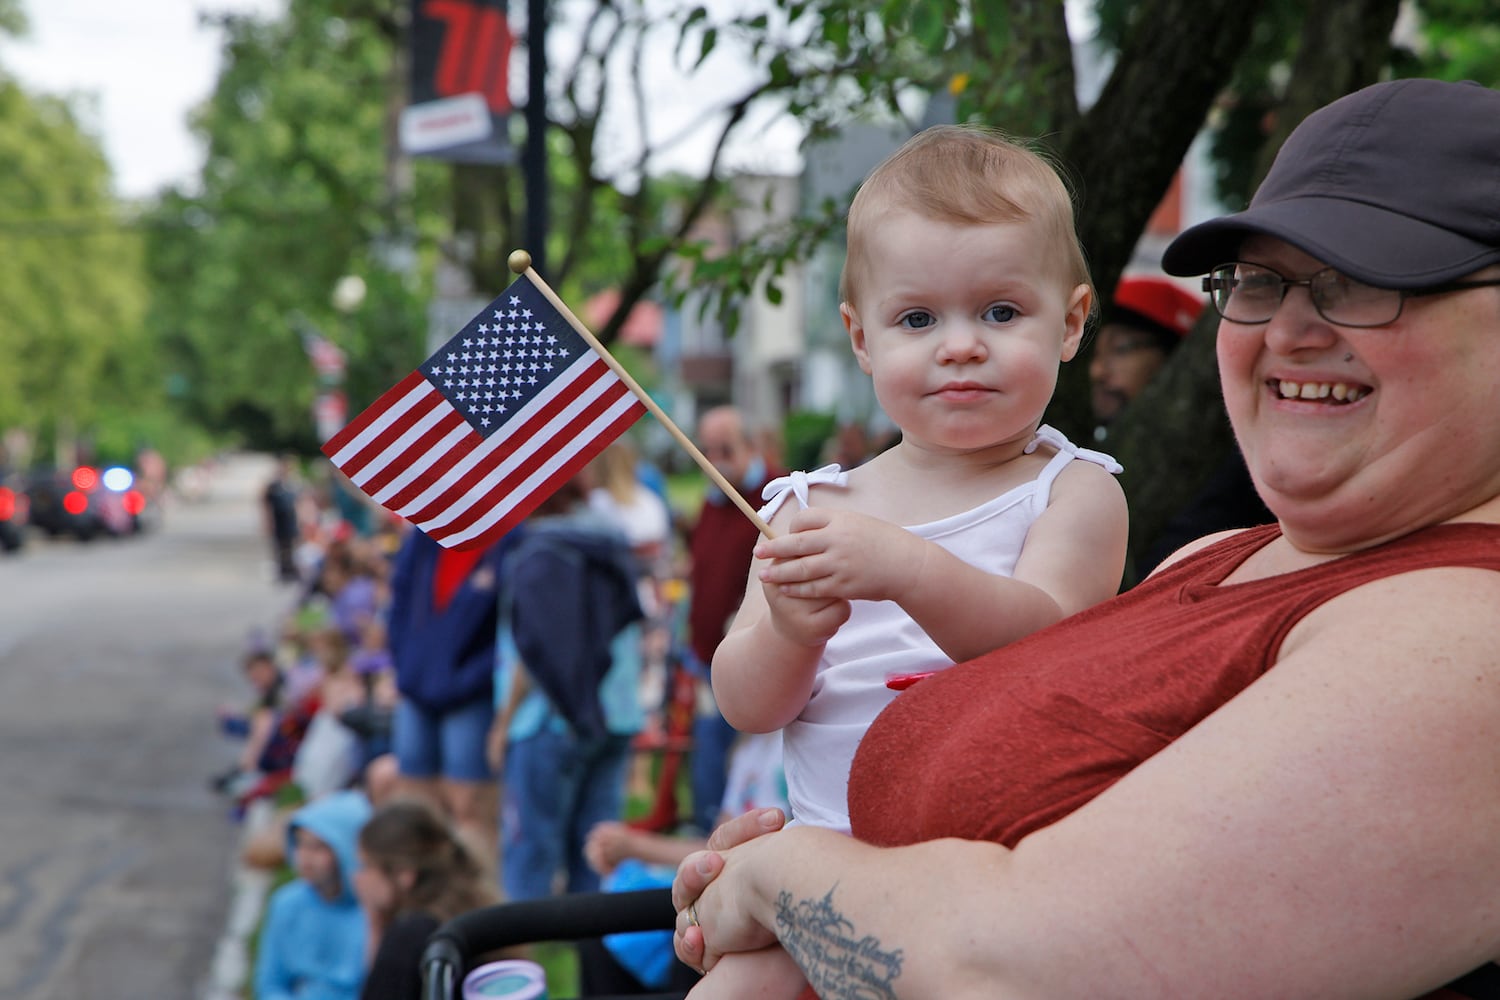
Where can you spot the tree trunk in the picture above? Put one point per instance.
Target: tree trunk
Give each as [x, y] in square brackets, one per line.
[1126, 149]
[1176, 433]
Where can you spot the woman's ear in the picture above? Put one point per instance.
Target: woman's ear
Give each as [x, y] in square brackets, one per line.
[1080, 305]
[856, 336]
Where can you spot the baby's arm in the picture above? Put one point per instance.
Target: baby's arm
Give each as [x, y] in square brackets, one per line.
[769, 974]
[1073, 557]
[764, 668]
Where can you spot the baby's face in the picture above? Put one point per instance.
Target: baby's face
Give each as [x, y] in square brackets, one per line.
[962, 328]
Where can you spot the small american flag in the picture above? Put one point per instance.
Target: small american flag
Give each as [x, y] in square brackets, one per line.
[489, 426]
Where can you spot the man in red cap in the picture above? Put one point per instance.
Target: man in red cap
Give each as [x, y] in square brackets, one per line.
[1147, 318]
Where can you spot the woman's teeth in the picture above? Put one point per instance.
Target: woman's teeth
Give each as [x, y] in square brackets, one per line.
[1341, 391]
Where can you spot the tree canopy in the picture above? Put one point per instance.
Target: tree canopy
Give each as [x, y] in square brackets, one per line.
[73, 294]
[218, 283]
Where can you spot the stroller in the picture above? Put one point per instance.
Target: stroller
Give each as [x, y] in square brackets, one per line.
[453, 946]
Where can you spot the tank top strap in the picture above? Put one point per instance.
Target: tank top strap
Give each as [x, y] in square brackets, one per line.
[798, 484]
[1067, 452]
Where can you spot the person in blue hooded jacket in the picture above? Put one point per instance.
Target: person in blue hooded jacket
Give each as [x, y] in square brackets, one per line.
[313, 940]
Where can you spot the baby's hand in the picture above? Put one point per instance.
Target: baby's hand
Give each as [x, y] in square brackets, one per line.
[769, 973]
[808, 621]
[841, 554]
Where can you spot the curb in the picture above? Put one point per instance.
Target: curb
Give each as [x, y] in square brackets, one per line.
[229, 975]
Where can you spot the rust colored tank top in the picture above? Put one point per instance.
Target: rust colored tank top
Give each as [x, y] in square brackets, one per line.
[1001, 746]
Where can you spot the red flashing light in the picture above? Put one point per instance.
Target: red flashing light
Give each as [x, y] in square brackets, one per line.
[75, 502]
[85, 478]
[7, 503]
[134, 502]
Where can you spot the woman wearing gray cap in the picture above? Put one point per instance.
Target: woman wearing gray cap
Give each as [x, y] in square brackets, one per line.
[1273, 768]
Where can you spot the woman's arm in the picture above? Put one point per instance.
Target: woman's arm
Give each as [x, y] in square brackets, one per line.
[1332, 831]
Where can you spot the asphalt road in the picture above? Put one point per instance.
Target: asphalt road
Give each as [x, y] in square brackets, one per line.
[115, 857]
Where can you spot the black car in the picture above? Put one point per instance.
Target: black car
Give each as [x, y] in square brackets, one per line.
[14, 511]
[85, 502]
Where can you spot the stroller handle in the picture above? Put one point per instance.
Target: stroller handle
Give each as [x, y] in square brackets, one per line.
[556, 918]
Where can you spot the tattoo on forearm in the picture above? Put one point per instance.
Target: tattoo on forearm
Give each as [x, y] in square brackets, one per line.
[838, 964]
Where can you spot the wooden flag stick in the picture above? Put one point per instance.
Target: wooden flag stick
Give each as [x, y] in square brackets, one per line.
[520, 263]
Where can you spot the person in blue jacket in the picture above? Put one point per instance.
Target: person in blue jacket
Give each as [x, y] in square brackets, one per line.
[441, 633]
[312, 943]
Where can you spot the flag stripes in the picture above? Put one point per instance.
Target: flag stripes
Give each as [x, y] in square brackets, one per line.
[492, 424]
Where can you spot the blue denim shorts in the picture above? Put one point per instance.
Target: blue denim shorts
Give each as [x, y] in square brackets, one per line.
[447, 744]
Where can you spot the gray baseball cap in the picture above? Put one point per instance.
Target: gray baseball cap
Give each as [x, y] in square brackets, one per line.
[1396, 185]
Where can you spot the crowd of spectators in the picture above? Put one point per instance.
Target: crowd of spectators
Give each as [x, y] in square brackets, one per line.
[332, 682]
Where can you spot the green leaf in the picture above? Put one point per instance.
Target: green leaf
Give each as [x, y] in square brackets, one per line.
[710, 39]
[781, 71]
[836, 33]
[929, 26]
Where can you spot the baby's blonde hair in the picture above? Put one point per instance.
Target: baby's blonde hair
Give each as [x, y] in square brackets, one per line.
[970, 175]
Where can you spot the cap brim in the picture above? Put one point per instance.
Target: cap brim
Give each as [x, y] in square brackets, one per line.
[1366, 242]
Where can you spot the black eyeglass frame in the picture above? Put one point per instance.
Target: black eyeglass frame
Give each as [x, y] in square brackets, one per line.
[1211, 287]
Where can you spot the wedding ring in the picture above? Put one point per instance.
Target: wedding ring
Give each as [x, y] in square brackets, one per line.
[692, 912]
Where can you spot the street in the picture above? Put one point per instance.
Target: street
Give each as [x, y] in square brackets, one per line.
[116, 859]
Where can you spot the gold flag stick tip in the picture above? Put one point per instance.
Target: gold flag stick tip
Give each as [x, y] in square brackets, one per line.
[519, 261]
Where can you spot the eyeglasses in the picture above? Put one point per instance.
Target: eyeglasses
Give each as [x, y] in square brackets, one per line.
[1249, 293]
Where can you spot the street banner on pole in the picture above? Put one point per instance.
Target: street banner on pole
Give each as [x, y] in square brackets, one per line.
[460, 82]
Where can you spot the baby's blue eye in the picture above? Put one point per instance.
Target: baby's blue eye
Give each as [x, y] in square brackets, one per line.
[917, 320]
[1000, 313]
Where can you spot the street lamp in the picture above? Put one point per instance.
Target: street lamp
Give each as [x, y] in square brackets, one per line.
[349, 293]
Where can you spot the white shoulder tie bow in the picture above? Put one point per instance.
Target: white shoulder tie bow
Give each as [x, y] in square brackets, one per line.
[1054, 437]
[796, 484]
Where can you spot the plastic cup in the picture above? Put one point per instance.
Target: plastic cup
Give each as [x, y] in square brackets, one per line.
[515, 979]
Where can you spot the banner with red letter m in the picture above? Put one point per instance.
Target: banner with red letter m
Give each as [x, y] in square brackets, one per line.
[460, 82]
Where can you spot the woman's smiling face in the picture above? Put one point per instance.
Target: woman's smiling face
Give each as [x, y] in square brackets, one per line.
[1355, 436]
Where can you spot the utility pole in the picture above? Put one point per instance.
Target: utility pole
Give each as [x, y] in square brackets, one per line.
[534, 156]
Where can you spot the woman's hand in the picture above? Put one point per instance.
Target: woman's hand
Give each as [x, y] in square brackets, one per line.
[716, 915]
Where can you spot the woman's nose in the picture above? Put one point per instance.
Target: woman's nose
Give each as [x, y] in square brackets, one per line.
[1297, 325]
